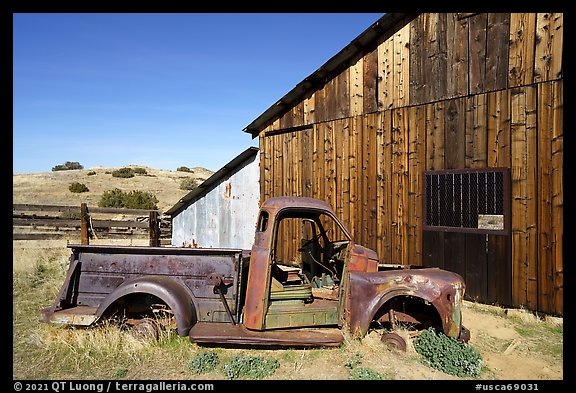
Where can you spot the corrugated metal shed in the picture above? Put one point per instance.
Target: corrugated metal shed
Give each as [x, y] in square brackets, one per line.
[222, 211]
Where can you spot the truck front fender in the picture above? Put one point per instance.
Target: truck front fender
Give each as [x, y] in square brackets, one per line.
[368, 292]
[172, 292]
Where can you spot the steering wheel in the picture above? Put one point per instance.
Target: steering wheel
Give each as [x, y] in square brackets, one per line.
[309, 241]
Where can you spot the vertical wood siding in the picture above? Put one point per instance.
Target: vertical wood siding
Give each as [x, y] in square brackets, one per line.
[443, 92]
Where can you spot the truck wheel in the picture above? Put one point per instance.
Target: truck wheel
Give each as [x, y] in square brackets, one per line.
[394, 340]
[146, 329]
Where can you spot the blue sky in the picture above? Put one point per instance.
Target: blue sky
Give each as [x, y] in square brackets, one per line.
[160, 90]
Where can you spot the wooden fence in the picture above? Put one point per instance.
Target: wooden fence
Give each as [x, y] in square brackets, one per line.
[41, 222]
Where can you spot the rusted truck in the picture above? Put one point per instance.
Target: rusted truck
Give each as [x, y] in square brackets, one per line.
[304, 283]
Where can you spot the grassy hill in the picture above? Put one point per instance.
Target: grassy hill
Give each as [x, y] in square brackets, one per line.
[51, 188]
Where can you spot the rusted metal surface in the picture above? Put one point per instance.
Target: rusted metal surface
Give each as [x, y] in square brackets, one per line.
[369, 292]
[238, 335]
[100, 277]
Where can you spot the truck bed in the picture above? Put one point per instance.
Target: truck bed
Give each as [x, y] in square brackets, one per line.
[98, 273]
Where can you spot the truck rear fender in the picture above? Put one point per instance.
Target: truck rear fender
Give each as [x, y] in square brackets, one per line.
[172, 292]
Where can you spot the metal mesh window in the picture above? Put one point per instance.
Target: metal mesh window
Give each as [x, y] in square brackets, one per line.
[467, 200]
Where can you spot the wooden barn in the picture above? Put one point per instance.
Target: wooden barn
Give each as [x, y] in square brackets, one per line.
[438, 139]
[222, 211]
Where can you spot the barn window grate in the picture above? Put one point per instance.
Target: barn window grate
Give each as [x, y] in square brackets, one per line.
[467, 200]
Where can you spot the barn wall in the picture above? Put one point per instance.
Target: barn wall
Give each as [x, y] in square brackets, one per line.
[225, 216]
[446, 91]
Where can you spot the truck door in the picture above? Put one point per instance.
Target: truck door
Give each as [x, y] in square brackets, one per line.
[303, 284]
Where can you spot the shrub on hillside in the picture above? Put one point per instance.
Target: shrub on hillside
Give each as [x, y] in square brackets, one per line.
[78, 187]
[68, 165]
[129, 200]
[184, 169]
[189, 184]
[140, 171]
[123, 172]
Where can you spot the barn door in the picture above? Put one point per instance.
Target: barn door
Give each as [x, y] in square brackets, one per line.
[466, 229]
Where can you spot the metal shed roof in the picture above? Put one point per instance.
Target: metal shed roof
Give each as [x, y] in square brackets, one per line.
[206, 186]
[365, 42]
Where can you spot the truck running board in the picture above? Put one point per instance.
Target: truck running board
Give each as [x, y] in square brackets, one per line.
[223, 333]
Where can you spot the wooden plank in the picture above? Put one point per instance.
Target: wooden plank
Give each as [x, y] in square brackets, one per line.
[43, 236]
[342, 92]
[498, 128]
[320, 105]
[355, 127]
[457, 56]
[47, 222]
[298, 114]
[384, 185]
[26, 207]
[521, 54]
[369, 181]
[307, 163]
[477, 53]
[385, 74]
[454, 158]
[557, 192]
[61, 222]
[545, 263]
[549, 42]
[340, 162]
[416, 166]
[360, 180]
[330, 157]
[356, 71]
[286, 175]
[454, 128]
[278, 169]
[435, 136]
[476, 131]
[402, 67]
[399, 185]
[550, 233]
[317, 154]
[499, 269]
[419, 67]
[524, 201]
[345, 164]
[497, 36]
[262, 166]
[476, 267]
[309, 109]
[437, 44]
[330, 99]
[433, 241]
[58, 208]
[370, 78]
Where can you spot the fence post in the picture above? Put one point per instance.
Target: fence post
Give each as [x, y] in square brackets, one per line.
[84, 224]
[154, 229]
